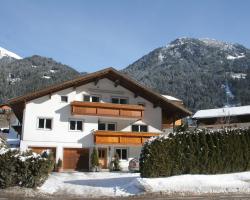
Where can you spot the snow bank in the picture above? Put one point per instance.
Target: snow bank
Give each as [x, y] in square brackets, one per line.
[126, 184]
[197, 184]
[92, 184]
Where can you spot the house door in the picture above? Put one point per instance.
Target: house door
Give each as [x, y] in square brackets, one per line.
[76, 159]
[102, 152]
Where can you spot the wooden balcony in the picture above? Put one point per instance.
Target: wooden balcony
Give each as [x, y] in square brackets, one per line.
[120, 137]
[107, 109]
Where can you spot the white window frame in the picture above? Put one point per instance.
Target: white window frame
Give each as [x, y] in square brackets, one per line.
[106, 125]
[122, 148]
[139, 127]
[76, 120]
[91, 96]
[45, 118]
[119, 99]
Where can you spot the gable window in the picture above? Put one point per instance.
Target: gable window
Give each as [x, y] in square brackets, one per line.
[122, 153]
[75, 125]
[107, 126]
[91, 98]
[64, 99]
[119, 100]
[139, 128]
[45, 123]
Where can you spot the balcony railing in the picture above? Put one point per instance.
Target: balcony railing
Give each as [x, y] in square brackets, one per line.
[107, 109]
[120, 137]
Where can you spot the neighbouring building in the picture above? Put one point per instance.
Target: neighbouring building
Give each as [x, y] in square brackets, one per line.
[228, 117]
[105, 109]
[8, 124]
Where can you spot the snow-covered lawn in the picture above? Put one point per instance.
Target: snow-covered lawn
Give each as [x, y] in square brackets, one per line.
[125, 184]
[93, 184]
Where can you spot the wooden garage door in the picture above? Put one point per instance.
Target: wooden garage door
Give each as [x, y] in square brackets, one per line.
[40, 150]
[76, 159]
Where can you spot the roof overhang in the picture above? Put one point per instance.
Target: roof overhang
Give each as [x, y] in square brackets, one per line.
[18, 103]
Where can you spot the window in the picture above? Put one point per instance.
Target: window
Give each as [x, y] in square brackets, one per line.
[64, 98]
[76, 125]
[119, 100]
[122, 153]
[106, 126]
[102, 153]
[45, 123]
[139, 128]
[91, 98]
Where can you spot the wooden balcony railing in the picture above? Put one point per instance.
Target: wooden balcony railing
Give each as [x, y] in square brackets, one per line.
[120, 137]
[107, 109]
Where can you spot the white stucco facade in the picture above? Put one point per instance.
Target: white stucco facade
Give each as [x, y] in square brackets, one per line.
[60, 136]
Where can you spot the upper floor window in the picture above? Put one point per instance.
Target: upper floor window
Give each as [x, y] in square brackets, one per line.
[75, 125]
[45, 123]
[107, 126]
[91, 98]
[139, 128]
[64, 98]
[119, 100]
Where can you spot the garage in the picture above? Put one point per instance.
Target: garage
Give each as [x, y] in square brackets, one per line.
[76, 159]
[40, 150]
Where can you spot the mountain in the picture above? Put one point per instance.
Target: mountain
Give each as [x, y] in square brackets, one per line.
[9, 54]
[19, 76]
[204, 73]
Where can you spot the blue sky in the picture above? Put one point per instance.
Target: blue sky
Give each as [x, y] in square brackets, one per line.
[90, 35]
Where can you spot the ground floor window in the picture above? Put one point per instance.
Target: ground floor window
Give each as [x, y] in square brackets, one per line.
[102, 153]
[122, 153]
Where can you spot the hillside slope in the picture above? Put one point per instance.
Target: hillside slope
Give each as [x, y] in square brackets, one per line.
[20, 76]
[204, 73]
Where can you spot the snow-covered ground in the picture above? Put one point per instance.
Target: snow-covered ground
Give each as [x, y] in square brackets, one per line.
[93, 184]
[125, 184]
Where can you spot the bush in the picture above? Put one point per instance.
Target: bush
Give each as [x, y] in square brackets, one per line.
[94, 158]
[115, 163]
[25, 169]
[196, 152]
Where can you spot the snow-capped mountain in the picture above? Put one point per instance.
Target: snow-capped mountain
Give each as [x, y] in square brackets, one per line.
[21, 76]
[6, 53]
[195, 71]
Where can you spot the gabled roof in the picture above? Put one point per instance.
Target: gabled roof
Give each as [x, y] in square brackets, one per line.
[222, 112]
[119, 78]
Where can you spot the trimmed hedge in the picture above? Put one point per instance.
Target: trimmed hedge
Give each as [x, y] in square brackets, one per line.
[25, 169]
[196, 152]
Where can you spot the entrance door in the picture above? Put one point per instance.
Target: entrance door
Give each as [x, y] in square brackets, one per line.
[102, 152]
[76, 159]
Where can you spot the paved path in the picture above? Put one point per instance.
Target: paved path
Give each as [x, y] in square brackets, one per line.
[144, 197]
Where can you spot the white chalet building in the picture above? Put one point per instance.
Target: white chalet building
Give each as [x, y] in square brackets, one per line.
[105, 109]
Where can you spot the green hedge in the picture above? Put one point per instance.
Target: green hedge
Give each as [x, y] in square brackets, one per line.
[196, 152]
[25, 169]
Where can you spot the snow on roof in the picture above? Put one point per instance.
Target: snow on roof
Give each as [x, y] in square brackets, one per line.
[222, 112]
[171, 98]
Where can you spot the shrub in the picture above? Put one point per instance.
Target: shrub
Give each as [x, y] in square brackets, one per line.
[115, 163]
[196, 152]
[94, 158]
[25, 169]
[59, 163]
